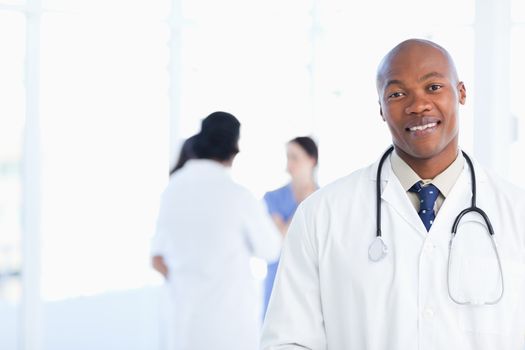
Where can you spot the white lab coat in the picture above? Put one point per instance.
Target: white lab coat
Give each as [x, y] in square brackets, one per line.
[329, 295]
[207, 230]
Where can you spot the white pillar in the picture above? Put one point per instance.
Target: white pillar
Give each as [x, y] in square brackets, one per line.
[31, 315]
[175, 70]
[493, 122]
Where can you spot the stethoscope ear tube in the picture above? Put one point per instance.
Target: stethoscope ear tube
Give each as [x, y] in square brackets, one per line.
[472, 179]
[473, 207]
[378, 190]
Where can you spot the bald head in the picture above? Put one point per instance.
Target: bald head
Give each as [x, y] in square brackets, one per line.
[413, 51]
[419, 99]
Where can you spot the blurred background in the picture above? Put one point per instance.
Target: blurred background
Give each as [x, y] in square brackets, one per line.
[96, 97]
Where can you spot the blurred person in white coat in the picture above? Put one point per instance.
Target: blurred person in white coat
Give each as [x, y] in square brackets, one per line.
[208, 229]
[424, 249]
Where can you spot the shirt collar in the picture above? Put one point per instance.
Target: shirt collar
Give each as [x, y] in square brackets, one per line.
[444, 181]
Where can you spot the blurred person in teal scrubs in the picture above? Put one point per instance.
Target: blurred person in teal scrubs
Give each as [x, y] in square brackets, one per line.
[302, 157]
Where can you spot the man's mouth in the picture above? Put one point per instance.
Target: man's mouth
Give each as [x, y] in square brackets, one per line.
[422, 127]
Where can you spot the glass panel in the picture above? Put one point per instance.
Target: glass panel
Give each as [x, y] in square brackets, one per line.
[104, 115]
[12, 111]
[391, 16]
[518, 11]
[153, 9]
[12, 2]
[517, 166]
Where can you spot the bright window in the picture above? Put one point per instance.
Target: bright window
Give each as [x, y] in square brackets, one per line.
[104, 117]
[518, 11]
[517, 167]
[12, 2]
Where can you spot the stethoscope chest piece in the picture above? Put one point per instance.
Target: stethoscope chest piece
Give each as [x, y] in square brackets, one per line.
[377, 250]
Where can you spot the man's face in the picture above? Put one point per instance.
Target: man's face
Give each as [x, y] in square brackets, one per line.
[419, 96]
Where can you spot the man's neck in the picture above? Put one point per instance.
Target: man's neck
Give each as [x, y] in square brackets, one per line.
[429, 168]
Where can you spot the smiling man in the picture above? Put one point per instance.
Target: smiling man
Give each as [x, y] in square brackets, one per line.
[419, 97]
[369, 261]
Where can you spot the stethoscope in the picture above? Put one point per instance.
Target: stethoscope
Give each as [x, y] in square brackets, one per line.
[378, 249]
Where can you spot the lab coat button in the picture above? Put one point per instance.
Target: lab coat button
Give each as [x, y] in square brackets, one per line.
[428, 314]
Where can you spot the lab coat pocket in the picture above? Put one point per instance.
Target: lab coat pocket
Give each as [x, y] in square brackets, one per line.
[508, 315]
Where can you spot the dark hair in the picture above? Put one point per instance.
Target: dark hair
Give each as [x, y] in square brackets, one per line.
[308, 145]
[218, 138]
[186, 153]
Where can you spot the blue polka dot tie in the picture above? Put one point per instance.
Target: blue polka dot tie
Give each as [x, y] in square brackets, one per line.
[427, 197]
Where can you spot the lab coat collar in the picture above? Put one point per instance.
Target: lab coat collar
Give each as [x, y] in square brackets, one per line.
[393, 193]
[207, 165]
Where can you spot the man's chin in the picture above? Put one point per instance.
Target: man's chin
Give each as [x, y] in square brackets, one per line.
[421, 152]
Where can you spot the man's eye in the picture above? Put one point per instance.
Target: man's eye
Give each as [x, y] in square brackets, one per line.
[434, 87]
[395, 95]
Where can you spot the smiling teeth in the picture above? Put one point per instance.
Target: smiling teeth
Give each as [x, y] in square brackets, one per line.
[422, 127]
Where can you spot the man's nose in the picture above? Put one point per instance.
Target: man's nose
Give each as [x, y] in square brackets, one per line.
[418, 104]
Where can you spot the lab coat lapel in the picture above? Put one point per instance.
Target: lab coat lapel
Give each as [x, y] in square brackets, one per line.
[397, 199]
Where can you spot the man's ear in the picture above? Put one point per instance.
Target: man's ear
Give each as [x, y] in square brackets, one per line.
[381, 110]
[462, 90]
